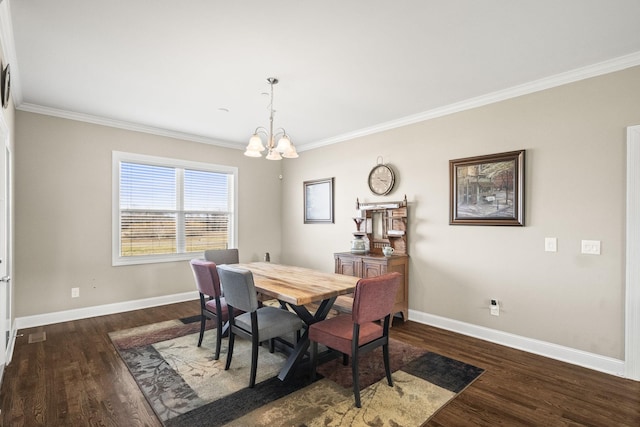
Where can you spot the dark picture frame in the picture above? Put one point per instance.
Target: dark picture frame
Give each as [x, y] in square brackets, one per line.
[318, 201]
[5, 84]
[487, 190]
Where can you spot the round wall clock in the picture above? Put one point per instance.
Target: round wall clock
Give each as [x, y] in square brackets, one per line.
[381, 179]
[6, 86]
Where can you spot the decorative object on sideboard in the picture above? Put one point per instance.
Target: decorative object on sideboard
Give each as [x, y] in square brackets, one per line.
[358, 244]
[284, 147]
[382, 225]
[382, 178]
[5, 85]
[487, 190]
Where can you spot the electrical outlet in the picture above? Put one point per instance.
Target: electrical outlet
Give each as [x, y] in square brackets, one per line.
[75, 292]
[495, 307]
[591, 247]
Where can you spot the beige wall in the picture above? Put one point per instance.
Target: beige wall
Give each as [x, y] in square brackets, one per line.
[63, 214]
[575, 189]
[575, 141]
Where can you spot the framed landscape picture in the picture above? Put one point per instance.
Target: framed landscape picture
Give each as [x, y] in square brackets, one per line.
[487, 190]
[318, 201]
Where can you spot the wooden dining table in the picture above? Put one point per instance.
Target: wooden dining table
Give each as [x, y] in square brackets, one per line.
[297, 287]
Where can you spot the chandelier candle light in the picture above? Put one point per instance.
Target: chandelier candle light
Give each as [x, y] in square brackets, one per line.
[284, 148]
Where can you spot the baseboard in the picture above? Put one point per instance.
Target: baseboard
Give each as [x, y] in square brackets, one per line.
[593, 361]
[9, 351]
[12, 342]
[101, 310]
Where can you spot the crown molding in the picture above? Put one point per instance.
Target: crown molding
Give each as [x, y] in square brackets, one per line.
[601, 68]
[121, 124]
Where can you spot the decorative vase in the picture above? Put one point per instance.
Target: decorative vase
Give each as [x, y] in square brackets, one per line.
[358, 245]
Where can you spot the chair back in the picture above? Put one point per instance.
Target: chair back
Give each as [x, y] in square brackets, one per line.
[239, 289]
[206, 275]
[222, 256]
[374, 297]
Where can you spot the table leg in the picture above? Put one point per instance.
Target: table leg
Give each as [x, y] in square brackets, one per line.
[302, 345]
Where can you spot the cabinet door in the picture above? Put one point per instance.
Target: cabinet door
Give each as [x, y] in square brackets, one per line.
[371, 268]
[347, 266]
[401, 296]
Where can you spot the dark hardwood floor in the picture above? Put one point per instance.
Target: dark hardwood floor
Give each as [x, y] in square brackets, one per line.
[76, 378]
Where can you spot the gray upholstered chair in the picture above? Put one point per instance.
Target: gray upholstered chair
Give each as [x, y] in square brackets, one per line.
[222, 256]
[357, 333]
[257, 323]
[228, 256]
[212, 304]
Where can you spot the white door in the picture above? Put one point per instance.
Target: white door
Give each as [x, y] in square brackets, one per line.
[5, 245]
[632, 309]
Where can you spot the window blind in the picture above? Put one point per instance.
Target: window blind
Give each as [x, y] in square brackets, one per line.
[169, 210]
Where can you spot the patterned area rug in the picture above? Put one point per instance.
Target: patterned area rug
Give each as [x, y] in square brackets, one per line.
[186, 387]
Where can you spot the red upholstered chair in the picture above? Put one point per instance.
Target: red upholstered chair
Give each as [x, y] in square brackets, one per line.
[357, 333]
[212, 304]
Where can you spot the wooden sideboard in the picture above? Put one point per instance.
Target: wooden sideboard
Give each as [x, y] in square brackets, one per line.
[372, 265]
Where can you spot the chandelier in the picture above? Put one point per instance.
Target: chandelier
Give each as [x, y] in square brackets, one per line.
[284, 148]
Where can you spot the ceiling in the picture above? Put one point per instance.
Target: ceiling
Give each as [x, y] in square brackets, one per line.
[197, 69]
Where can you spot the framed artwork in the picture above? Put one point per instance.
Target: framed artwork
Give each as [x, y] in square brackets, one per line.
[318, 201]
[5, 84]
[487, 190]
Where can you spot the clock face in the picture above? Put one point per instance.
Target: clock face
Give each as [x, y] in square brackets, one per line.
[381, 180]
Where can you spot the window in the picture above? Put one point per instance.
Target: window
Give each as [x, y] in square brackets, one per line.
[169, 210]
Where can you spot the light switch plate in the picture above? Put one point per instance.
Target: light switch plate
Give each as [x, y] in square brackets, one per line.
[591, 247]
[551, 244]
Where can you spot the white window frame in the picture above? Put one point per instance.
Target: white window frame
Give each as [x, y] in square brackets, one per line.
[119, 157]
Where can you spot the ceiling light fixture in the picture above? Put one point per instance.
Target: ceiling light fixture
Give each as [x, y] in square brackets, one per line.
[284, 148]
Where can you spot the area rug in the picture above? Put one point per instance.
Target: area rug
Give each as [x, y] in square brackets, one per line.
[185, 386]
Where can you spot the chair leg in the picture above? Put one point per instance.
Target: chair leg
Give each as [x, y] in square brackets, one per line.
[203, 321]
[356, 379]
[387, 367]
[345, 359]
[232, 337]
[218, 338]
[254, 360]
